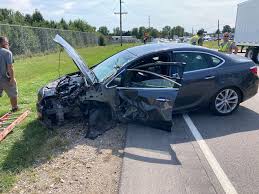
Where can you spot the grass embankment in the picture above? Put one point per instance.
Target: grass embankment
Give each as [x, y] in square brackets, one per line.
[30, 142]
[211, 44]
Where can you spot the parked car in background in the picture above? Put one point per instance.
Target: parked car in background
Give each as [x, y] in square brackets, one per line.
[146, 84]
[207, 38]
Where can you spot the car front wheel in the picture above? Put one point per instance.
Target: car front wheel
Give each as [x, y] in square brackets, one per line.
[226, 101]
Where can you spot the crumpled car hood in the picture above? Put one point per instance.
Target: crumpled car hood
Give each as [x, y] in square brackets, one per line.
[89, 74]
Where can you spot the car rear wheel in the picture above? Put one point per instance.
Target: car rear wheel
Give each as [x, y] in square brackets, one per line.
[226, 101]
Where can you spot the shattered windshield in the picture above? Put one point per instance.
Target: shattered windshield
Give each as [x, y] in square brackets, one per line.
[111, 65]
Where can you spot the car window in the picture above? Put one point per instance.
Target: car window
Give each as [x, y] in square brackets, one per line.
[213, 61]
[110, 66]
[194, 61]
[154, 58]
[140, 79]
[159, 69]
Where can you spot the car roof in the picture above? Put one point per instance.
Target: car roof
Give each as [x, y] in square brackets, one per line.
[156, 47]
[160, 47]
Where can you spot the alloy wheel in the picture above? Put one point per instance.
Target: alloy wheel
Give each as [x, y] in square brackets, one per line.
[226, 101]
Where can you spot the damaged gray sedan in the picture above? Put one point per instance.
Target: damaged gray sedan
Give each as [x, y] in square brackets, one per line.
[139, 84]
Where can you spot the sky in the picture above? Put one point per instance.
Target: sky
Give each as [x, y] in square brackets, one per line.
[190, 14]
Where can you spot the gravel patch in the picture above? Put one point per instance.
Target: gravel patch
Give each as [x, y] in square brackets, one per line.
[86, 166]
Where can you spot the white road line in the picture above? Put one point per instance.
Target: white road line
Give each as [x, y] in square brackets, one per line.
[220, 174]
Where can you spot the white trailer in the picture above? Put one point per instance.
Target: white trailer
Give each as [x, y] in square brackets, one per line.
[247, 28]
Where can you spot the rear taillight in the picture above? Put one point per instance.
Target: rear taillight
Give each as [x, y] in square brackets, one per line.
[254, 70]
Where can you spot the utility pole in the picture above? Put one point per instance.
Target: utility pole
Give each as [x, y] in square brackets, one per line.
[121, 13]
[192, 30]
[218, 32]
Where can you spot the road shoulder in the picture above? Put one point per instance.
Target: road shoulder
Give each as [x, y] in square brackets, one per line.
[156, 161]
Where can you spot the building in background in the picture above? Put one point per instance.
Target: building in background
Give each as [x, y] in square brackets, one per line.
[125, 39]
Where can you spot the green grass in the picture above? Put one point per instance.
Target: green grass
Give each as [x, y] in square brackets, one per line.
[30, 142]
[211, 44]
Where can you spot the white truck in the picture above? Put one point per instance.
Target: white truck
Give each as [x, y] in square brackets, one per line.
[247, 28]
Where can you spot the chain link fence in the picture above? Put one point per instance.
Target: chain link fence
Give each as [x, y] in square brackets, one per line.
[27, 41]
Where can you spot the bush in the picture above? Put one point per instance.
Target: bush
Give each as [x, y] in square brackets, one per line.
[101, 40]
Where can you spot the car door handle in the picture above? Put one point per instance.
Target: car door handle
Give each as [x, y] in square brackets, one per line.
[209, 77]
[163, 100]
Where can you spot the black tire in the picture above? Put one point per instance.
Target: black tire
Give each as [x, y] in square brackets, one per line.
[214, 101]
[250, 53]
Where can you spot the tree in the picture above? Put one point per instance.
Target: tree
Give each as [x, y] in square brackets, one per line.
[232, 30]
[101, 40]
[104, 30]
[28, 19]
[52, 24]
[166, 31]
[18, 18]
[226, 28]
[187, 34]
[126, 33]
[63, 24]
[154, 32]
[37, 17]
[217, 31]
[179, 31]
[116, 31]
[134, 32]
[141, 32]
[80, 25]
[5, 15]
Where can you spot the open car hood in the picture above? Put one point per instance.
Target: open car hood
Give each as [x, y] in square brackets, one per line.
[89, 74]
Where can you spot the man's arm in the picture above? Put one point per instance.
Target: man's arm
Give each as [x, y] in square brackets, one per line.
[10, 69]
[234, 47]
[200, 42]
[236, 50]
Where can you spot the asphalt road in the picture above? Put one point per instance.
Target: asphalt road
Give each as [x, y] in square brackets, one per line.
[160, 162]
[234, 141]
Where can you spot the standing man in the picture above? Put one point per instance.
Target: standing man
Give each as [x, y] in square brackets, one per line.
[227, 46]
[145, 39]
[197, 39]
[7, 78]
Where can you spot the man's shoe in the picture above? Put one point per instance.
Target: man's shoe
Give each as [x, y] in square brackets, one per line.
[15, 109]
